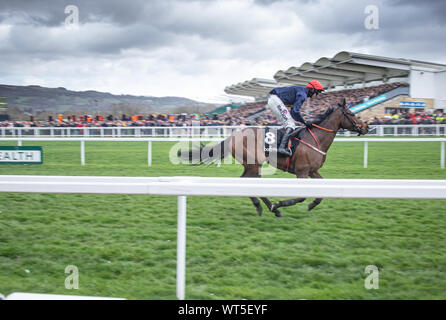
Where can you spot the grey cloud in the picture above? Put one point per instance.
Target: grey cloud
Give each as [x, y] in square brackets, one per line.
[269, 2]
[187, 36]
[135, 24]
[51, 12]
[436, 9]
[413, 24]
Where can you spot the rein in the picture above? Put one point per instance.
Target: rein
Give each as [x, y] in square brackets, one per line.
[322, 128]
[318, 149]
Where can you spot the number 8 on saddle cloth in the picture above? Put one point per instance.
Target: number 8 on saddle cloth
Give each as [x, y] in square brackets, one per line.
[272, 140]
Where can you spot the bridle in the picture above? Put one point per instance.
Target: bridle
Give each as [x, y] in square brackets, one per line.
[355, 125]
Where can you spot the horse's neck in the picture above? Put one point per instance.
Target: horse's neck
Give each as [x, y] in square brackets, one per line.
[332, 122]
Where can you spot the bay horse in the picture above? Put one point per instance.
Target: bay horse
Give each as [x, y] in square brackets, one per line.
[247, 147]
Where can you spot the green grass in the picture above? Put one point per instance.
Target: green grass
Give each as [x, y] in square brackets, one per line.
[125, 245]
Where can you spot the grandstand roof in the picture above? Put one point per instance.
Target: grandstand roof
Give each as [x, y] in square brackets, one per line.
[344, 68]
[255, 87]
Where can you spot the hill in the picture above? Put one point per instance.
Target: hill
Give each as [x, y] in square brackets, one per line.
[36, 99]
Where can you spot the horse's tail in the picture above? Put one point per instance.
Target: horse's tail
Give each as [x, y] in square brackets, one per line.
[206, 154]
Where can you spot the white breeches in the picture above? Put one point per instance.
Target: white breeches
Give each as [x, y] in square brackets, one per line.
[281, 112]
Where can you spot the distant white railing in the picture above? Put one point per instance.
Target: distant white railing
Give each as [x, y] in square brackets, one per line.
[198, 131]
[118, 132]
[237, 187]
[204, 139]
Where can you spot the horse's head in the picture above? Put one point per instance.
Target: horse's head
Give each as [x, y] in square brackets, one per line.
[351, 122]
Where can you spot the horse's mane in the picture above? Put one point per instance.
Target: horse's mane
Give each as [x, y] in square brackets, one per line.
[326, 114]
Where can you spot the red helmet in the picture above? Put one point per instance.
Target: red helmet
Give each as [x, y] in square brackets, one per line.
[314, 84]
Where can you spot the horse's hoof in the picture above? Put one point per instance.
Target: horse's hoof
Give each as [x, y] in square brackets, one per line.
[274, 207]
[311, 206]
[259, 211]
[278, 214]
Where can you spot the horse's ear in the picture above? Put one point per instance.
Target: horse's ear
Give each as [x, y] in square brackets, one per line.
[344, 103]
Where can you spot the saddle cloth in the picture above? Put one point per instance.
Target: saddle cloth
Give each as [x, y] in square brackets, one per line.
[272, 140]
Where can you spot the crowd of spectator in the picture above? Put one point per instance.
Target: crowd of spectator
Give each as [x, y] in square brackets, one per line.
[151, 120]
[411, 119]
[254, 113]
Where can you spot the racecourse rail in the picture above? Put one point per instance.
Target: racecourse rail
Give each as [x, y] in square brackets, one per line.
[237, 187]
[203, 139]
[200, 131]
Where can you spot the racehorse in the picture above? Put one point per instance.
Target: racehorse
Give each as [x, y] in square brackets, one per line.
[247, 147]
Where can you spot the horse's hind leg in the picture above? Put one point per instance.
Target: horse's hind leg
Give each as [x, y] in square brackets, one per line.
[256, 203]
[253, 172]
[316, 201]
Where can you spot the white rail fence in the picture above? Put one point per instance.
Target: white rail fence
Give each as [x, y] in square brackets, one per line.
[43, 296]
[150, 140]
[237, 187]
[118, 132]
[197, 131]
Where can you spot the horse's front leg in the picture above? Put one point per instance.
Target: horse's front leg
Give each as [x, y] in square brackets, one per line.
[287, 203]
[315, 175]
[290, 202]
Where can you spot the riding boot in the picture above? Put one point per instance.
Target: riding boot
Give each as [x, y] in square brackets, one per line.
[283, 147]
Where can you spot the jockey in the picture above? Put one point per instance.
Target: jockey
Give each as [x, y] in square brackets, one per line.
[295, 96]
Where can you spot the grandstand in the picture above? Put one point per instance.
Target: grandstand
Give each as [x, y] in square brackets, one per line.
[375, 87]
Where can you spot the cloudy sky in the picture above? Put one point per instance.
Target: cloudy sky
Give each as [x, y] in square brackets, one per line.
[196, 48]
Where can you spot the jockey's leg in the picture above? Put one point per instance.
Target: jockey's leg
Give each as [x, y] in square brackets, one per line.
[282, 114]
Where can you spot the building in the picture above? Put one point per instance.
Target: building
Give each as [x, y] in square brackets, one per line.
[424, 89]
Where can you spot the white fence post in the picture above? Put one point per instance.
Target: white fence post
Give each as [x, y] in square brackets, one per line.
[82, 152]
[149, 153]
[366, 153]
[181, 248]
[442, 155]
[19, 143]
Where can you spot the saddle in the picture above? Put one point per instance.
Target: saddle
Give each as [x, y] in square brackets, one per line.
[273, 137]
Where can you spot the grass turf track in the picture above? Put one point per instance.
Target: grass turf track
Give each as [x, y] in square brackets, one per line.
[125, 245]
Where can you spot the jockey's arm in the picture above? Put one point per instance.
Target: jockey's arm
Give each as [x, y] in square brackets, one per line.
[295, 111]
